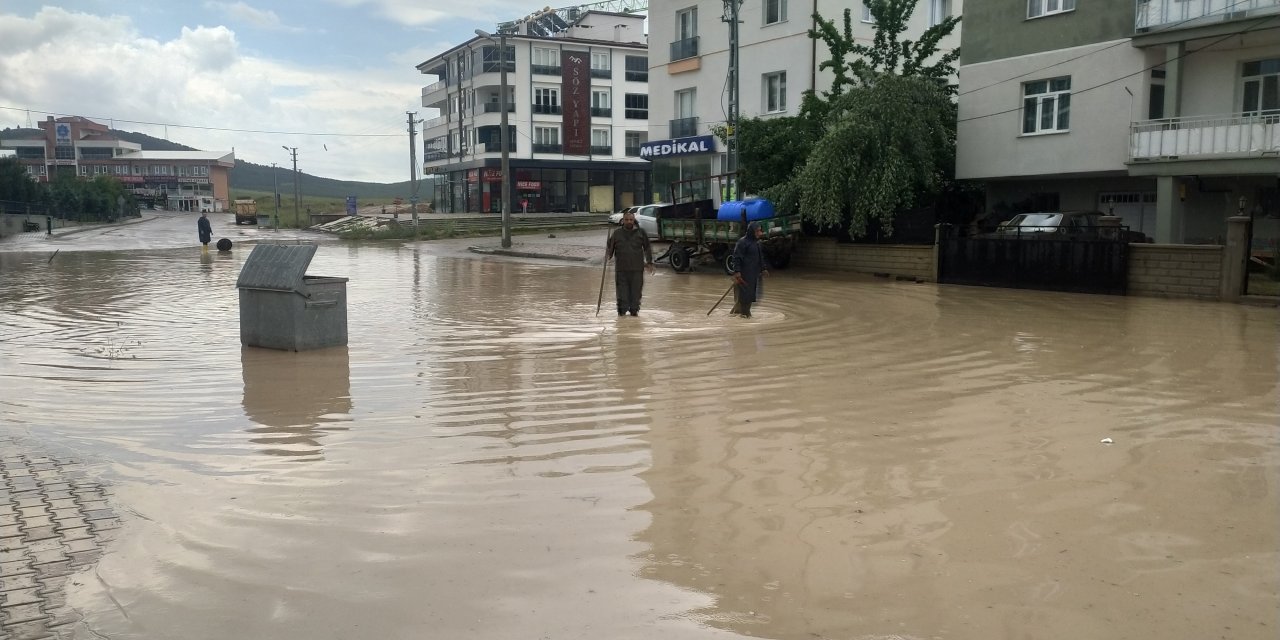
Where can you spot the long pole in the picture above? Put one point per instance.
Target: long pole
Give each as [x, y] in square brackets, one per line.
[726, 294]
[296, 193]
[413, 169]
[731, 159]
[275, 190]
[506, 144]
[603, 270]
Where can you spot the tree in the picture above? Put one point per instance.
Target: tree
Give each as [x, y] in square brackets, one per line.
[16, 184]
[888, 54]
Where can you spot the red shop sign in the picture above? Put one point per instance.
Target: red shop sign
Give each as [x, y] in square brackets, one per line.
[528, 185]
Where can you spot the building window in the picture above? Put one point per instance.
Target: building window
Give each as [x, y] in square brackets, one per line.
[775, 11]
[492, 60]
[546, 61]
[632, 140]
[1046, 105]
[600, 104]
[775, 92]
[1261, 87]
[546, 100]
[64, 152]
[1037, 8]
[866, 14]
[637, 106]
[602, 64]
[939, 10]
[638, 68]
[687, 23]
[546, 139]
[685, 99]
[600, 144]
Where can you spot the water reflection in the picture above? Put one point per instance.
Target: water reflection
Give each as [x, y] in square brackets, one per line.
[295, 397]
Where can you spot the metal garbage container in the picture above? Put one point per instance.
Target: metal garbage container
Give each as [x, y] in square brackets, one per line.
[283, 308]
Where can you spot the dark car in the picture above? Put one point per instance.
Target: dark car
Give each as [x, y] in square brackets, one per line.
[1064, 224]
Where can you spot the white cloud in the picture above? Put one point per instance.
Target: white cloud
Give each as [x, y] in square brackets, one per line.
[66, 63]
[414, 13]
[243, 13]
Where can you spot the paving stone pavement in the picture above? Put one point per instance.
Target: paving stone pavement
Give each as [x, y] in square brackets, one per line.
[54, 522]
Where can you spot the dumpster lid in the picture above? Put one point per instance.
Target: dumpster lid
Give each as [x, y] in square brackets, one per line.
[277, 267]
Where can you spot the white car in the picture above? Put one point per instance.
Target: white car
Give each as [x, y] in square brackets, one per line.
[616, 218]
[646, 219]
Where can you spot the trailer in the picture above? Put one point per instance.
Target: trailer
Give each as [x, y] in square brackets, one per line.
[246, 210]
[697, 236]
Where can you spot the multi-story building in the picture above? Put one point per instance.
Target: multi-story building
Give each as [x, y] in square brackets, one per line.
[689, 67]
[1163, 112]
[184, 180]
[567, 152]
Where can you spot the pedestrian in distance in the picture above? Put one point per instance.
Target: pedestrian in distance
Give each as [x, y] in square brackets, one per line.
[751, 268]
[630, 245]
[206, 231]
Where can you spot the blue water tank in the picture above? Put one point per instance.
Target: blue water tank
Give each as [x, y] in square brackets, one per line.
[756, 208]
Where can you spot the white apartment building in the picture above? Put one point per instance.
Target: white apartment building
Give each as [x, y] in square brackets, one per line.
[1163, 112]
[689, 67]
[568, 152]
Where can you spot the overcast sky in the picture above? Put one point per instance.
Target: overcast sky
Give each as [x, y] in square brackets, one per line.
[343, 67]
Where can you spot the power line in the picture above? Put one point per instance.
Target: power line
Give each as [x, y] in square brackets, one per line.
[1136, 73]
[206, 128]
[1124, 41]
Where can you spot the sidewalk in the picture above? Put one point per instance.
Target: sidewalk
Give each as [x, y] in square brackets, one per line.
[572, 246]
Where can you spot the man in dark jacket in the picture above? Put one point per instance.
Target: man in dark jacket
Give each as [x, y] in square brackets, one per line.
[630, 244]
[750, 259]
[205, 229]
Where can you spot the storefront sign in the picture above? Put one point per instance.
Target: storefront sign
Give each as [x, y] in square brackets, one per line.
[62, 132]
[194, 180]
[678, 147]
[493, 175]
[576, 88]
[528, 185]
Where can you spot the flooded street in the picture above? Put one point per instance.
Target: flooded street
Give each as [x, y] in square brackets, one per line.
[863, 459]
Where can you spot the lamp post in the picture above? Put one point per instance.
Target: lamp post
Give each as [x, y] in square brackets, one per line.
[294, 152]
[506, 135]
[275, 192]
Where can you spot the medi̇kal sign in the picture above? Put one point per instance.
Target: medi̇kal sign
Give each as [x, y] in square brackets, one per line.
[678, 147]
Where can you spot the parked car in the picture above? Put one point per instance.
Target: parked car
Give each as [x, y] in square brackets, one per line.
[646, 217]
[616, 218]
[1063, 224]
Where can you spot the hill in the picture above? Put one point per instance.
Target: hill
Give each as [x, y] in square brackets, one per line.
[248, 176]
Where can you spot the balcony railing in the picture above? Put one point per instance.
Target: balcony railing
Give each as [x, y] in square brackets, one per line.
[435, 122]
[684, 127]
[496, 147]
[602, 73]
[601, 150]
[552, 109]
[637, 76]
[494, 107]
[687, 48]
[633, 152]
[434, 86]
[1174, 14]
[546, 148]
[1205, 137]
[545, 69]
[601, 112]
[432, 156]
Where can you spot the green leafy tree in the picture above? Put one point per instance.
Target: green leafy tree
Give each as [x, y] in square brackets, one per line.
[16, 184]
[855, 63]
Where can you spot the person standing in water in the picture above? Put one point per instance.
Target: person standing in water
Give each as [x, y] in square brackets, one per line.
[205, 229]
[751, 267]
[631, 245]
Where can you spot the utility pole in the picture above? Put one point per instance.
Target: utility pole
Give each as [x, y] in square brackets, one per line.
[506, 135]
[296, 197]
[731, 8]
[413, 168]
[275, 192]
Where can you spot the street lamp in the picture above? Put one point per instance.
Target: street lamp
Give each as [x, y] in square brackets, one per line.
[505, 133]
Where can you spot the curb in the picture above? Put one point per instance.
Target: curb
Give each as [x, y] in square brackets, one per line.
[83, 228]
[524, 254]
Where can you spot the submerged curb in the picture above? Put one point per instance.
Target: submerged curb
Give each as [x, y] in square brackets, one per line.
[524, 254]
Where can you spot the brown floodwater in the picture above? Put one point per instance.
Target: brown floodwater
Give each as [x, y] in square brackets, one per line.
[864, 459]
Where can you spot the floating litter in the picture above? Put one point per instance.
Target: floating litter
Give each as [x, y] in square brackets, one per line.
[1107, 441]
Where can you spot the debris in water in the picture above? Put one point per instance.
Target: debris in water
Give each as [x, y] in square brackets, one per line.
[1107, 441]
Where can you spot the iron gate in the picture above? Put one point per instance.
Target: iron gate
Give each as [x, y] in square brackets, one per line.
[1084, 263]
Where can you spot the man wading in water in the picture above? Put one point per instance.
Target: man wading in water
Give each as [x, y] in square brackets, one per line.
[751, 266]
[631, 245]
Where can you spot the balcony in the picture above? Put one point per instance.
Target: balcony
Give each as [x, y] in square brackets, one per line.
[434, 94]
[433, 156]
[493, 107]
[545, 69]
[601, 112]
[684, 127]
[547, 109]
[605, 74]
[682, 49]
[1205, 138]
[546, 148]
[637, 76]
[1155, 15]
[633, 152]
[435, 122]
[496, 147]
[602, 150]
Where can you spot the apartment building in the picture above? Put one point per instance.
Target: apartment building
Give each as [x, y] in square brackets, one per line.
[184, 180]
[567, 152]
[1163, 112]
[689, 67]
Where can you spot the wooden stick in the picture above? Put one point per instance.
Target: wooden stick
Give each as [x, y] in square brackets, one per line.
[726, 294]
[603, 270]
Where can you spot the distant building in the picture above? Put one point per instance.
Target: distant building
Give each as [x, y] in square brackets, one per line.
[566, 154]
[184, 180]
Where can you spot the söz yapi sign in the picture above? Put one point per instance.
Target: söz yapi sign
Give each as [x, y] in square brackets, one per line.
[678, 147]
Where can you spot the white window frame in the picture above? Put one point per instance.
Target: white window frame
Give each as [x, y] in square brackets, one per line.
[545, 57]
[1257, 109]
[777, 6]
[546, 96]
[939, 10]
[546, 135]
[598, 140]
[602, 60]
[774, 98]
[1047, 103]
[601, 99]
[1042, 8]
[866, 14]
[693, 103]
[687, 23]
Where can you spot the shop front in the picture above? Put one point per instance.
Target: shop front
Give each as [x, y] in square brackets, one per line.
[540, 187]
[680, 160]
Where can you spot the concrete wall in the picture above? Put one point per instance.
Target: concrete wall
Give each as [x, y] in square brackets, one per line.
[995, 29]
[1173, 270]
[914, 261]
[11, 223]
